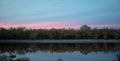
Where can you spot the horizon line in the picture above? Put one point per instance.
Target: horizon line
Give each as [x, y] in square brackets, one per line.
[72, 26]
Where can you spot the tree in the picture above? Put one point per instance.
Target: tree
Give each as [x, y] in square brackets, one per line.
[105, 33]
[95, 33]
[85, 31]
[33, 35]
[116, 35]
[85, 28]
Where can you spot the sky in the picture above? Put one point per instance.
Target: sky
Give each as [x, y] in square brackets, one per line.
[59, 13]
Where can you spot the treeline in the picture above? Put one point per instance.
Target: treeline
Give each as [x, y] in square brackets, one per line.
[85, 32]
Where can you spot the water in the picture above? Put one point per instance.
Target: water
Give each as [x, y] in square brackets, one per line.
[62, 51]
[63, 41]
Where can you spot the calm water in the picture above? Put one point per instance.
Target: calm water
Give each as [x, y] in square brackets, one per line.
[62, 51]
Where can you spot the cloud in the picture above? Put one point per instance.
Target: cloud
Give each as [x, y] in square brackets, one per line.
[56, 24]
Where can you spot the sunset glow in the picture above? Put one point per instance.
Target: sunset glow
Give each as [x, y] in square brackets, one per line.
[58, 25]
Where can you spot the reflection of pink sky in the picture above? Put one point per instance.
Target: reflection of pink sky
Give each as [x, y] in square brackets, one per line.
[49, 25]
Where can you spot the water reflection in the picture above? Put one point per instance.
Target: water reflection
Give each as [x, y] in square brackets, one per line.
[118, 57]
[58, 48]
[59, 59]
[83, 48]
[11, 58]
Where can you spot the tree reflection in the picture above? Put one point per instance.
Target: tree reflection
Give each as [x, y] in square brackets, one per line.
[118, 57]
[13, 58]
[59, 59]
[57, 47]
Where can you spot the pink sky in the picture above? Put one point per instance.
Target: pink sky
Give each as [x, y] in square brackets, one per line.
[48, 25]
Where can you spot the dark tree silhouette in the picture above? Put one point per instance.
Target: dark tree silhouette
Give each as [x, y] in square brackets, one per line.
[85, 32]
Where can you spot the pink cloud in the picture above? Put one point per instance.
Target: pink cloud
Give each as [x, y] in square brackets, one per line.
[40, 25]
[55, 24]
[104, 25]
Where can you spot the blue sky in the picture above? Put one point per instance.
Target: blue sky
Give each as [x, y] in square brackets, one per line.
[76, 11]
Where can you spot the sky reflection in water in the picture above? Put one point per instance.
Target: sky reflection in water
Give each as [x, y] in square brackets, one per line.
[64, 52]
